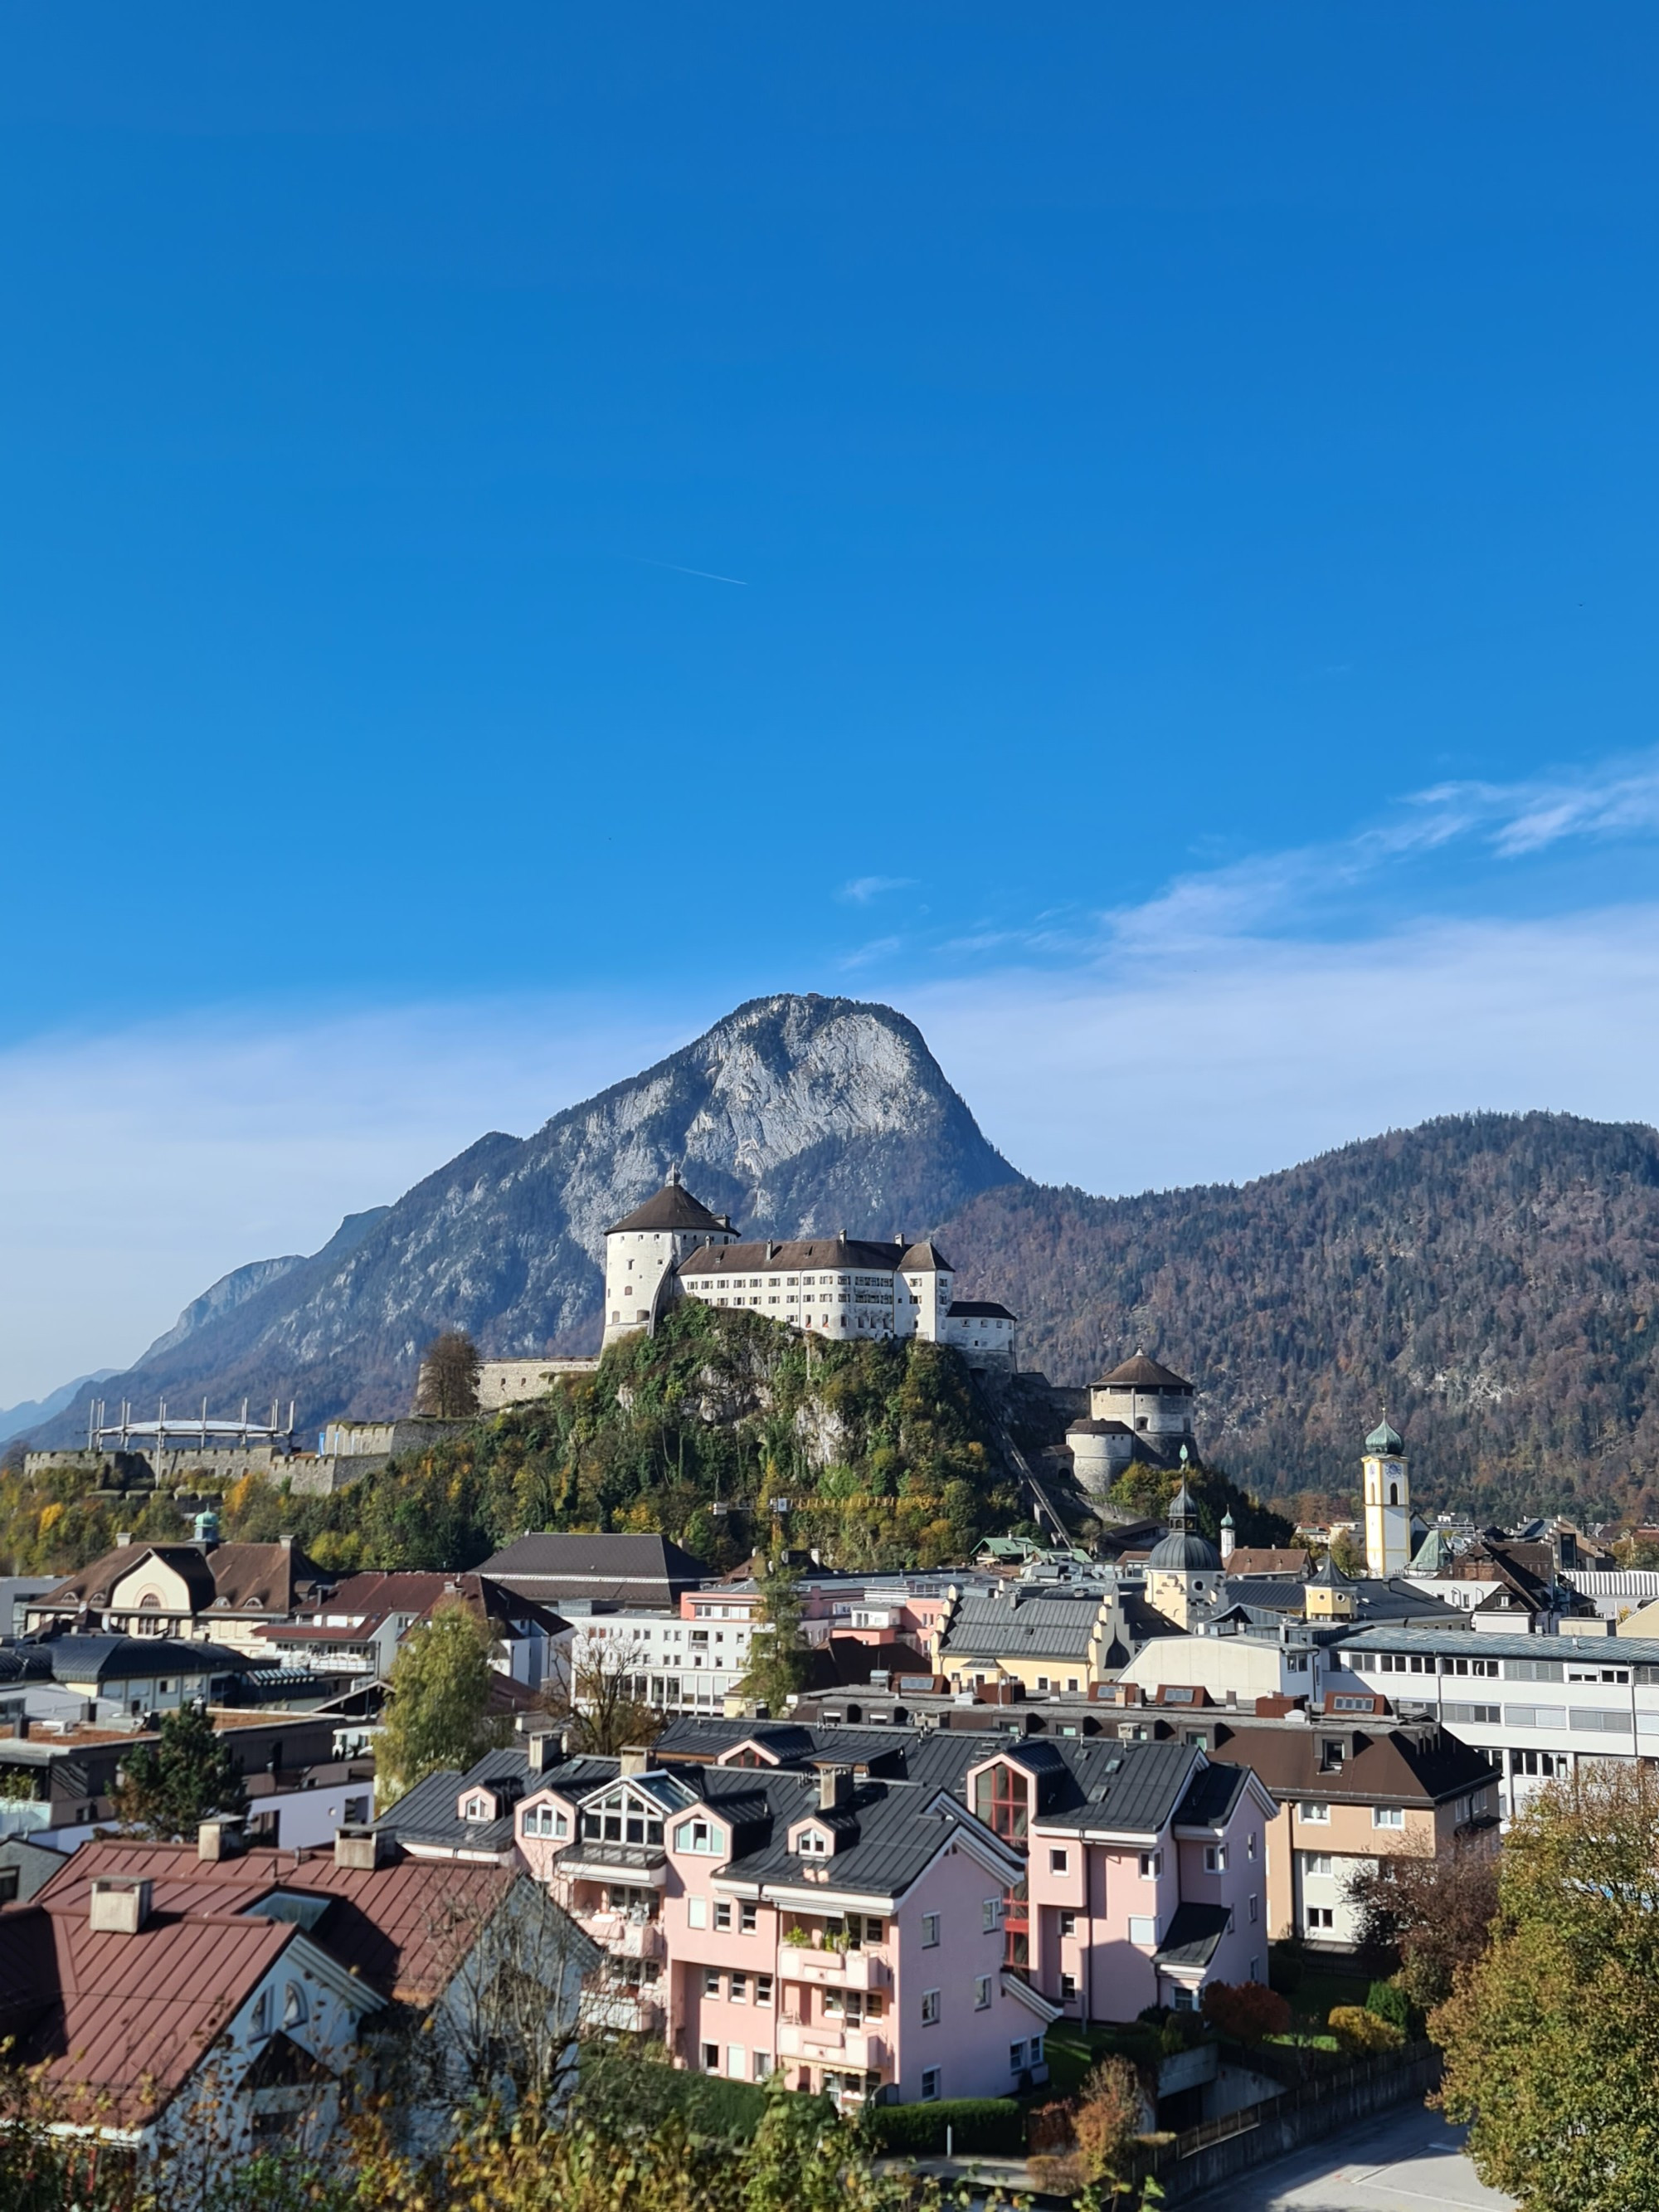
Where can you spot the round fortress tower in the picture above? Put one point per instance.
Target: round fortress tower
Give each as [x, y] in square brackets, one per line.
[642, 1249]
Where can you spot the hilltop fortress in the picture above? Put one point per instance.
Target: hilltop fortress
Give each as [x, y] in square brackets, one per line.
[838, 1287]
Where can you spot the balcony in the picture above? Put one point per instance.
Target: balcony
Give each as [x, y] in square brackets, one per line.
[621, 2012]
[827, 2043]
[640, 1866]
[628, 1935]
[834, 1969]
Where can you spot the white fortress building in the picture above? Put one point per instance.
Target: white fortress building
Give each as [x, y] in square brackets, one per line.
[672, 1247]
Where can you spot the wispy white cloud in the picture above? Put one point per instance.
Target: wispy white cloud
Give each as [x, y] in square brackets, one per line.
[1618, 799]
[136, 1168]
[863, 889]
[1269, 891]
[1245, 1056]
[1213, 1031]
[866, 956]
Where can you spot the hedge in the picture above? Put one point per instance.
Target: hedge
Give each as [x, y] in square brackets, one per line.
[995, 2126]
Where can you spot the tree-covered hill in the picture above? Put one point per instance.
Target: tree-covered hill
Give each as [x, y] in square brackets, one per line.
[888, 1455]
[1493, 1279]
[885, 1452]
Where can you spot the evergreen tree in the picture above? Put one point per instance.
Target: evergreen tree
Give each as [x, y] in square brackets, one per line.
[779, 1661]
[168, 1788]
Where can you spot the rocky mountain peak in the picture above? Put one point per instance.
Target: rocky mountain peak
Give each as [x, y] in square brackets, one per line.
[793, 1115]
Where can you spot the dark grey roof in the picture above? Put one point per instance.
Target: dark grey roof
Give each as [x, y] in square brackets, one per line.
[1210, 1797]
[979, 1309]
[885, 1836]
[136, 1658]
[1141, 1374]
[1132, 1787]
[630, 1569]
[926, 1259]
[1192, 1936]
[673, 1207]
[426, 1813]
[1093, 1428]
[1184, 1553]
[759, 1254]
[24, 1663]
[1039, 1626]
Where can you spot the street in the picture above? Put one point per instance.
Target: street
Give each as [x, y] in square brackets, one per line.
[1407, 2160]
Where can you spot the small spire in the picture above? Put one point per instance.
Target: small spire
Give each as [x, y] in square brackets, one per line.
[674, 1174]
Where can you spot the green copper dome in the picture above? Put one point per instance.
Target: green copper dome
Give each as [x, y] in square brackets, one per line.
[1383, 1439]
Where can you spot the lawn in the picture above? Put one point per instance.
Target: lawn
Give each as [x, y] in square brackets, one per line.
[1073, 2049]
[1323, 1985]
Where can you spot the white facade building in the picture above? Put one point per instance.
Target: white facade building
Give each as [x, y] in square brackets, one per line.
[677, 1664]
[839, 1286]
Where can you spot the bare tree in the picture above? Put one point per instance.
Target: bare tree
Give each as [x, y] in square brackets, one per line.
[504, 2022]
[602, 1701]
[448, 1383]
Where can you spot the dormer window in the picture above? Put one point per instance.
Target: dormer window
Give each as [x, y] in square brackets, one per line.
[812, 1843]
[543, 1820]
[698, 1836]
[1001, 1800]
[477, 1807]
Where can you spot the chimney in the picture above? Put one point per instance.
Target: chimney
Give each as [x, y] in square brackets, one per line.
[770, 1250]
[835, 1786]
[635, 1759]
[543, 1750]
[362, 1848]
[117, 1908]
[17, 1724]
[123, 1538]
[220, 1839]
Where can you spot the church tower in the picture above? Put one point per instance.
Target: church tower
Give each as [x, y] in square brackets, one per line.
[1184, 1569]
[1388, 1503]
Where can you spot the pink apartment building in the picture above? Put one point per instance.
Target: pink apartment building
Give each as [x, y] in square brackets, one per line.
[880, 1913]
[1145, 1872]
[845, 1929]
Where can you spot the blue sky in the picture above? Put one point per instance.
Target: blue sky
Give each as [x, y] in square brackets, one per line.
[1128, 532]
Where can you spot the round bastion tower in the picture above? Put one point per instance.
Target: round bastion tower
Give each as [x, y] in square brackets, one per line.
[1140, 1411]
[642, 1250]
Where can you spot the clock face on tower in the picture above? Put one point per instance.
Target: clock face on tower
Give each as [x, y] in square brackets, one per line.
[1391, 1469]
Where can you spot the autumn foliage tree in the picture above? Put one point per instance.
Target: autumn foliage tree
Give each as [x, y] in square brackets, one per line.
[1428, 1917]
[1249, 2012]
[448, 1385]
[438, 1713]
[600, 1702]
[1552, 2036]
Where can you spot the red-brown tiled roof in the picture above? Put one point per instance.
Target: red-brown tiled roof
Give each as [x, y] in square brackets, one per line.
[124, 2019]
[399, 1926]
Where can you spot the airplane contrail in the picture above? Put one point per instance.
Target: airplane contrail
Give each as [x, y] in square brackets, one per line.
[708, 574]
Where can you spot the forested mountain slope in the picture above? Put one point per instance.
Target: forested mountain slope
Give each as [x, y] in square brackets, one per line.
[1494, 1278]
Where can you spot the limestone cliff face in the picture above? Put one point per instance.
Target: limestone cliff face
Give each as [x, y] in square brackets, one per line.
[793, 1115]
